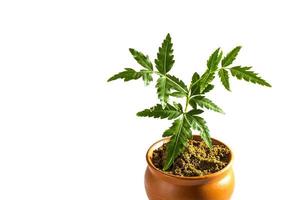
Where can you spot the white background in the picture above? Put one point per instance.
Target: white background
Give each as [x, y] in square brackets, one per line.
[65, 133]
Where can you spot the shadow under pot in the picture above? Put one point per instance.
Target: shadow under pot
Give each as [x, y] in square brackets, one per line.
[160, 185]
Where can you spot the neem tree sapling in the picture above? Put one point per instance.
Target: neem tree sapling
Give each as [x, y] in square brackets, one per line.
[185, 117]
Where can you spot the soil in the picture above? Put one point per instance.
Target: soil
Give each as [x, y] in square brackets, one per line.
[196, 160]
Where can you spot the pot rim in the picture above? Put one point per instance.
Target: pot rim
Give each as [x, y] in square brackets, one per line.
[209, 176]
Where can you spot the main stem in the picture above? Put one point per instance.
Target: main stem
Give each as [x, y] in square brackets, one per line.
[187, 99]
[187, 102]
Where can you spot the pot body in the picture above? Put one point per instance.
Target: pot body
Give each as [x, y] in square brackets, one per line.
[163, 186]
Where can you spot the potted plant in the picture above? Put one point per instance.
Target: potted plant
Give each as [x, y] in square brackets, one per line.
[183, 166]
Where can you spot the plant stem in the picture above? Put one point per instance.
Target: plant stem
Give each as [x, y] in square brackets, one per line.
[187, 98]
[186, 104]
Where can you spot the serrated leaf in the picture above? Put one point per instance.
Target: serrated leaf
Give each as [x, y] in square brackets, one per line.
[163, 90]
[180, 134]
[171, 130]
[177, 84]
[195, 86]
[214, 60]
[142, 59]
[157, 111]
[147, 77]
[178, 94]
[195, 112]
[209, 74]
[224, 77]
[165, 61]
[198, 123]
[206, 79]
[248, 75]
[207, 103]
[230, 57]
[208, 88]
[178, 106]
[212, 65]
[192, 103]
[128, 74]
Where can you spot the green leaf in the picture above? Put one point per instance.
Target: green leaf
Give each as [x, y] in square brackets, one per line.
[178, 106]
[192, 103]
[157, 111]
[208, 88]
[165, 61]
[224, 77]
[212, 66]
[178, 94]
[128, 74]
[146, 76]
[180, 134]
[169, 131]
[248, 75]
[206, 79]
[207, 103]
[195, 112]
[230, 57]
[142, 59]
[214, 60]
[198, 123]
[177, 84]
[208, 75]
[195, 87]
[163, 90]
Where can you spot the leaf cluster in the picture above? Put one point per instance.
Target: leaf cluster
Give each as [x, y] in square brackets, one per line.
[188, 117]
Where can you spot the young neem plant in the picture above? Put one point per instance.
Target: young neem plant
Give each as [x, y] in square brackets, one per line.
[187, 117]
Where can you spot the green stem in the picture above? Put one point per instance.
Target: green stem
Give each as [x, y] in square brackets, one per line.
[186, 104]
[188, 98]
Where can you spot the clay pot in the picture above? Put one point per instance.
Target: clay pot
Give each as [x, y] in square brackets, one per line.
[163, 186]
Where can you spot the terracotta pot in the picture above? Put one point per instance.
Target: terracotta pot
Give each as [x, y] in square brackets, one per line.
[163, 186]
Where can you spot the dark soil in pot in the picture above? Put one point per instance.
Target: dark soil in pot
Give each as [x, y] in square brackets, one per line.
[196, 160]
